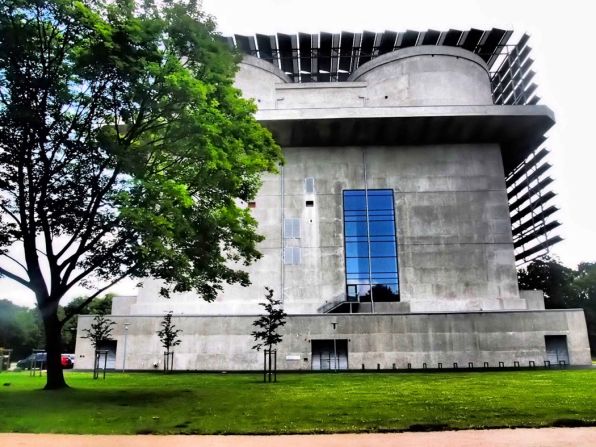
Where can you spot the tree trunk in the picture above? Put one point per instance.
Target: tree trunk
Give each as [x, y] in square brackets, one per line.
[52, 327]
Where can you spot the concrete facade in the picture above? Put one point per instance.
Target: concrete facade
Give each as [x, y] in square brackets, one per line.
[419, 122]
[223, 343]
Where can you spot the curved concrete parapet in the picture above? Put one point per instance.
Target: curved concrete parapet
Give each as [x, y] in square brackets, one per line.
[257, 78]
[426, 75]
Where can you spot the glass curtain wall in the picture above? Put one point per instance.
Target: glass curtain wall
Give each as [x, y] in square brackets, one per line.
[370, 245]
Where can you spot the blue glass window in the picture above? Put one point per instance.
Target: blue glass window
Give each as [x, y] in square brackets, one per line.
[370, 245]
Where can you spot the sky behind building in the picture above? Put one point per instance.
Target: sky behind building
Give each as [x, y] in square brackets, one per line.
[560, 33]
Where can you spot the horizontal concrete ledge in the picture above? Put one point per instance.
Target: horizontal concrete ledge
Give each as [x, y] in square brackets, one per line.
[482, 312]
[320, 85]
[518, 129]
[404, 112]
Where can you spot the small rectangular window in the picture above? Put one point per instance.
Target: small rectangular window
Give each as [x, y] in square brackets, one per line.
[291, 228]
[252, 204]
[310, 203]
[292, 255]
[309, 185]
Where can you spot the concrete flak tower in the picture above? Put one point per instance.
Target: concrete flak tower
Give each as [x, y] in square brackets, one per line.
[414, 182]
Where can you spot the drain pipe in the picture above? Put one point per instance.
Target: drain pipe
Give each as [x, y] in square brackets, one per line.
[283, 241]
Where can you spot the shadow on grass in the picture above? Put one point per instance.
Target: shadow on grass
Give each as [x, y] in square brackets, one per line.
[573, 423]
[428, 427]
[124, 398]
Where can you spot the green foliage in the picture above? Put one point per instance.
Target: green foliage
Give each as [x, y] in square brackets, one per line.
[81, 306]
[269, 323]
[123, 149]
[553, 278]
[168, 334]
[564, 288]
[100, 330]
[301, 403]
[20, 329]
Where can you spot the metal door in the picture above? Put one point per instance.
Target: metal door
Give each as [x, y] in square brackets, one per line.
[110, 346]
[330, 355]
[556, 349]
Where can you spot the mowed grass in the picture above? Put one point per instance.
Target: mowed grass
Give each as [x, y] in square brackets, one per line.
[145, 403]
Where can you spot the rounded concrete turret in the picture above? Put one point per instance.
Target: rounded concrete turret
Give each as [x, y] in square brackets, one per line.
[426, 75]
[257, 78]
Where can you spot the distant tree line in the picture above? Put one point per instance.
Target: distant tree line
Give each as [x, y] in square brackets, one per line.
[564, 288]
[21, 328]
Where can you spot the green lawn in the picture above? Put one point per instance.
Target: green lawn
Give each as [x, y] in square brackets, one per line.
[298, 403]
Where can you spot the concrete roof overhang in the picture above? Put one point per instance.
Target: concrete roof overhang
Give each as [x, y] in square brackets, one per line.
[518, 129]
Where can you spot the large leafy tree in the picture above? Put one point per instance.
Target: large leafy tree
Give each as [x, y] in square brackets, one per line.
[123, 149]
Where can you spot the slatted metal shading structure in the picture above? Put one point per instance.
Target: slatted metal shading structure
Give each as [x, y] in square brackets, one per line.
[332, 57]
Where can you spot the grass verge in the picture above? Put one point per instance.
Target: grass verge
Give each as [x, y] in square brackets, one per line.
[146, 403]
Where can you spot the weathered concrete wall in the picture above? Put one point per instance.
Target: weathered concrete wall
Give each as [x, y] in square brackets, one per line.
[224, 342]
[426, 75]
[454, 237]
[534, 298]
[257, 79]
[452, 218]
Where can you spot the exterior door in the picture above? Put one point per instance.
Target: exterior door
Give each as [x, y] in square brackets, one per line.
[110, 346]
[330, 355]
[556, 349]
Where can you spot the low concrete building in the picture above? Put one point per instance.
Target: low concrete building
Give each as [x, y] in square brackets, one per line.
[414, 181]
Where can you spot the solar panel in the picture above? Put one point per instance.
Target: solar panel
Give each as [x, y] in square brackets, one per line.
[431, 37]
[345, 50]
[409, 39]
[540, 231]
[274, 50]
[452, 37]
[529, 163]
[242, 42]
[471, 39]
[264, 44]
[285, 52]
[540, 216]
[333, 57]
[304, 42]
[541, 246]
[366, 48]
[324, 59]
[489, 43]
[540, 201]
[387, 42]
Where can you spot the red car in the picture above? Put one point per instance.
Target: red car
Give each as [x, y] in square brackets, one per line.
[66, 362]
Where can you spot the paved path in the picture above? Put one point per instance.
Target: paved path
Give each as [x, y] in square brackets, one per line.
[544, 437]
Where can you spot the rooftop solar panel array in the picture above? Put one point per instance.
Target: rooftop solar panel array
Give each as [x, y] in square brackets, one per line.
[327, 57]
[342, 53]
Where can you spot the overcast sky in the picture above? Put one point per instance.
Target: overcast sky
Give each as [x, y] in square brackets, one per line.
[561, 39]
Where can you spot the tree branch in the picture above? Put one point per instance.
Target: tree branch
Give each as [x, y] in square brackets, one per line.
[15, 261]
[72, 313]
[7, 211]
[95, 265]
[17, 278]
